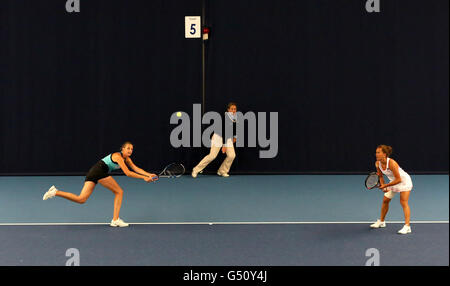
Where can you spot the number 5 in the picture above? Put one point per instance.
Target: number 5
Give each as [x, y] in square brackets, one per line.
[192, 32]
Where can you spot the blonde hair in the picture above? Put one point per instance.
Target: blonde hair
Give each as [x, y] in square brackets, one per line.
[386, 149]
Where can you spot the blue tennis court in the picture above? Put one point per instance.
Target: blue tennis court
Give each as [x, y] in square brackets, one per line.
[248, 220]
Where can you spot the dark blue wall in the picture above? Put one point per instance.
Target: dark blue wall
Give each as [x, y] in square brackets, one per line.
[73, 87]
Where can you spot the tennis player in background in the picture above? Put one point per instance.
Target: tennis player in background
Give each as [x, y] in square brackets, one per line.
[99, 173]
[400, 182]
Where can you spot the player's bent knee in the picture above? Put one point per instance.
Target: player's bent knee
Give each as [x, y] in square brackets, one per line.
[389, 195]
[119, 192]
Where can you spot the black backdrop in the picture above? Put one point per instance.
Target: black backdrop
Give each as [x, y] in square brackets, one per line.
[75, 86]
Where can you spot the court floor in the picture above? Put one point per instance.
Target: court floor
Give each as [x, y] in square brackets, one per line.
[277, 220]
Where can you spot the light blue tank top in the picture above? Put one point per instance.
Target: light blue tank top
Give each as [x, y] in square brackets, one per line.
[110, 163]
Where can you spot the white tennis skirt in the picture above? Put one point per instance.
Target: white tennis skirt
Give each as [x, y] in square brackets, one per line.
[404, 186]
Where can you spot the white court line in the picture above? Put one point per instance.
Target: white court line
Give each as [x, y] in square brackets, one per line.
[217, 223]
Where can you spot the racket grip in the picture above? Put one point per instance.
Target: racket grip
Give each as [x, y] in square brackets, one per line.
[154, 178]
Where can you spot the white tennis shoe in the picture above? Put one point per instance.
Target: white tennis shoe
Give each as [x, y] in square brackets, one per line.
[378, 224]
[50, 193]
[225, 175]
[405, 229]
[118, 223]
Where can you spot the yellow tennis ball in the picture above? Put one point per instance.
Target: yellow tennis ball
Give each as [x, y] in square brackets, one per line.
[178, 114]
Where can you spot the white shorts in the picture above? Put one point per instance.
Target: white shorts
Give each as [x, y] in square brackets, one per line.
[405, 186]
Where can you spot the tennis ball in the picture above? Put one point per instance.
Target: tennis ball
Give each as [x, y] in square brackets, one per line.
[178, 114]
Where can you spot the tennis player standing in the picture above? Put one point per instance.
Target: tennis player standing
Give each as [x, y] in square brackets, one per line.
[400, 182]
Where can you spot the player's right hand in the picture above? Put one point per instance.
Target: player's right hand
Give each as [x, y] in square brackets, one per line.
[148, 179]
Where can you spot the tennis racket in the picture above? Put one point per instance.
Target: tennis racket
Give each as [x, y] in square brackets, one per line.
[173, 170]
[372, 181]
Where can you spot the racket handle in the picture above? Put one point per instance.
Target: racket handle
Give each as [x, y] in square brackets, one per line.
[154, 178]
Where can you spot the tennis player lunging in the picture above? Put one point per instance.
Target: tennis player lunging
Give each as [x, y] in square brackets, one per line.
[99, 173]
[400, 182]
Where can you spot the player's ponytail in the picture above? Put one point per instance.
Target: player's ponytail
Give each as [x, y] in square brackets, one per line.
[386, 149]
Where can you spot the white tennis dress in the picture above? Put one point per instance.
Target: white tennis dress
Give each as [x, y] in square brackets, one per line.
[406, 183]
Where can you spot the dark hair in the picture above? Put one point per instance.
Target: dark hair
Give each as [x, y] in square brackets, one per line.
[386, 149]
[230, 105]
[124, 144]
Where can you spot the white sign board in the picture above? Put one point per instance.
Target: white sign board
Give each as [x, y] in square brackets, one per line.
[192, 27]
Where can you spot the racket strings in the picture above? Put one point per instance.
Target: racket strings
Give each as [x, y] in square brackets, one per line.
[174, 170]
[372, 181]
